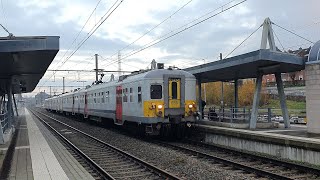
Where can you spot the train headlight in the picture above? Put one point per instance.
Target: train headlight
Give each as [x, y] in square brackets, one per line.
[188, 124]
[190, 106]
[160, 106]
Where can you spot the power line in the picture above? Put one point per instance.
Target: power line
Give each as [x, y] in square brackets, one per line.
[186, 28]
[81, 30]
[176, 28]
[185, 25]
[223, 10]
[154, 27]
[292, 32]
[92, 31]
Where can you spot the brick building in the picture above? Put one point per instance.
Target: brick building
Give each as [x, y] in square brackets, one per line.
[293, 76]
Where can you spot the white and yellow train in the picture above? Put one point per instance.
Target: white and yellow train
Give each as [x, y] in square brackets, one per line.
[158, 101]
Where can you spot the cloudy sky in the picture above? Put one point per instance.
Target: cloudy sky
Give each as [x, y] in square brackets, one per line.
[134, 18]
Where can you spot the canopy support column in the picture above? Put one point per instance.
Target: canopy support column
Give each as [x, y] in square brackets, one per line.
[282, 98]
[255, 104]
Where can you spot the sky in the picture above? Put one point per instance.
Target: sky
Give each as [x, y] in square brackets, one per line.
[122, 32]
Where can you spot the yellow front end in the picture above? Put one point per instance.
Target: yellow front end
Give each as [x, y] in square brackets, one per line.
[190, 108]
[153, 108]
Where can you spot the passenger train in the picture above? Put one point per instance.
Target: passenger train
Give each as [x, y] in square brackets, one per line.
[157, 101]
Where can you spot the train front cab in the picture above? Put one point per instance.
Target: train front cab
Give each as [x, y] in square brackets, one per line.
[175, 107]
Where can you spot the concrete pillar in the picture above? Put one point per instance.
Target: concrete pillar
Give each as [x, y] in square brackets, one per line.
[200, 97]
[312, 72]
[282, 98]
[255, 104]
[15, 104]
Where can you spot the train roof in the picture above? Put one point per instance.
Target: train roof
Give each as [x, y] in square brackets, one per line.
[156, 73]
[151, 74]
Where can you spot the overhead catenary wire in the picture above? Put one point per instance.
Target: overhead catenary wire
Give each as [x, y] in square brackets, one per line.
[93, 30]
[77, 36]
[184, 29]
[183, 26]
[153, 28]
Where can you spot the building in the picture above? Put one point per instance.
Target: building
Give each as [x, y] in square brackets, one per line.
[40, 97]
[289, 77]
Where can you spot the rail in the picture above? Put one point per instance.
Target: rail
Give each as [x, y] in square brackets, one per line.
[259, 165]
[107, 148]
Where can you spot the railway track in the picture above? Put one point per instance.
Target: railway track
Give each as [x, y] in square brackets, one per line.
[261, 167]
[104, 160]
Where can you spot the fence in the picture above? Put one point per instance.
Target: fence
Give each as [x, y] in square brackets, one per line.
[4, 119]
[243, 115]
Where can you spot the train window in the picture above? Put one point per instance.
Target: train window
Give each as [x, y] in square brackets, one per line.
[125, 98]
[156, 91]
[174, 90]
[107, 96]
[94, 100]
[102, 97]
[139, 94]
[131, 98]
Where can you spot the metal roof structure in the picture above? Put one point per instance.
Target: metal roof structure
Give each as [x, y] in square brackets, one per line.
[24, 60]
[248, 65]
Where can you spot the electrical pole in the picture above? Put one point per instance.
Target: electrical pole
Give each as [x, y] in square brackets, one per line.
[222, 103]
[63, 90]
[97, 70]
[119, 63]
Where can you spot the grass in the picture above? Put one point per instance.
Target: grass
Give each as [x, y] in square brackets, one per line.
[295, 108]
[290, 104]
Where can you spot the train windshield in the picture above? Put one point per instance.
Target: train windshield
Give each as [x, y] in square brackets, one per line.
[156, 91]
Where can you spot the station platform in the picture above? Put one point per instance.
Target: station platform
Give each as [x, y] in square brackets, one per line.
[292, 143]
[38, 154]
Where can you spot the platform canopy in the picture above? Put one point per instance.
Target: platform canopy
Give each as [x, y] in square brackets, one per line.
[248, 65]
[24, 60]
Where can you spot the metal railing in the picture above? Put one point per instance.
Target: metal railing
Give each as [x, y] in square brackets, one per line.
[237, 115]
[4, 119]
[243, 115]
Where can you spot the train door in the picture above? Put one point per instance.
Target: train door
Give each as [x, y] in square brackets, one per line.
[174, 92]
[85, 105]
[119, 105]
[73, 105]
